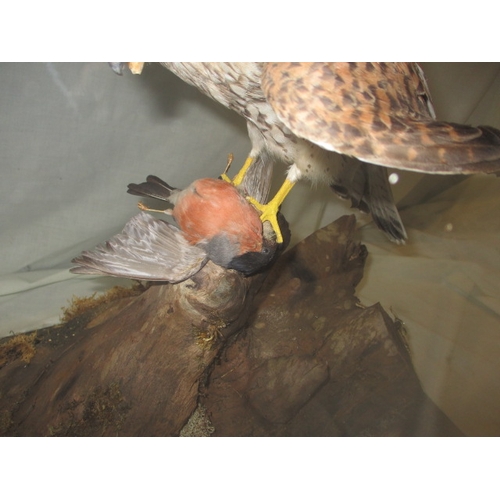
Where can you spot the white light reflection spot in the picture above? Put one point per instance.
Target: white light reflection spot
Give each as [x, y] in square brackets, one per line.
[393, 178]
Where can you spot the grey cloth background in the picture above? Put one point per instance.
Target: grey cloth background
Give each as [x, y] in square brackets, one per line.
[73, 135]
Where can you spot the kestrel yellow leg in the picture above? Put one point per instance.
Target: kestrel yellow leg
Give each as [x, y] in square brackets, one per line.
[238, 178]
[268, 211]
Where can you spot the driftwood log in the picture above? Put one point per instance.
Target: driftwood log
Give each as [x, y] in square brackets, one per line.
[289, 352]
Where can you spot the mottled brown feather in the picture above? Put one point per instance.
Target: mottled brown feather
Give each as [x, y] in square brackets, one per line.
[377, 112]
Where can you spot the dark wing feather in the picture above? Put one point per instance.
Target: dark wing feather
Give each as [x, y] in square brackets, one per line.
[379, 198]
[154, 187]
[368, 188]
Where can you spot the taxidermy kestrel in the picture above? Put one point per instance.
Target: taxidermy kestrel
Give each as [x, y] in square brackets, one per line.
[304, 114]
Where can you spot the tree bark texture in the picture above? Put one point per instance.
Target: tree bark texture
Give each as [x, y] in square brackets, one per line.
[290, 352]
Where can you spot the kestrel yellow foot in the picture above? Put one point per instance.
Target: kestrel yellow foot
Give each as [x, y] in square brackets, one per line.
[269, 211]
[238, 179]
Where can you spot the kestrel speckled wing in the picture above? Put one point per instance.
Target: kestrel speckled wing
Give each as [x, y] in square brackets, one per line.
[380, 113]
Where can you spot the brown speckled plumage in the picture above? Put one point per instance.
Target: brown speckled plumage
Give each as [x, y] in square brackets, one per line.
[377, 112]
[304, 114]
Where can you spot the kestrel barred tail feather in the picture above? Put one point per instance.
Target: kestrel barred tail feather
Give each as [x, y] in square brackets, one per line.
[305, 114]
